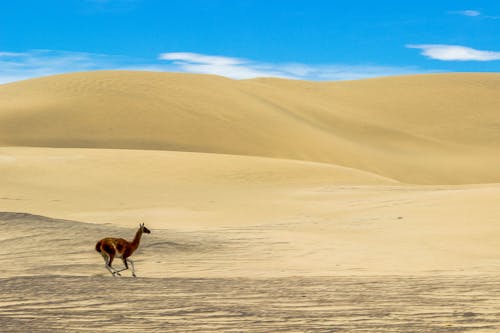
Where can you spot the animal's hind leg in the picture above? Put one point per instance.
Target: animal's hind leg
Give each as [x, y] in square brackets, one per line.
[105, 257]
[108, 259]
[109, 269]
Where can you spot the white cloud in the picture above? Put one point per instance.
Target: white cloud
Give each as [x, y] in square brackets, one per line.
[455, 52]
[474, 13]
[10, 54]
[471, 12]
[15, 66]
[468, 12]
[201, 58]
[239, 68]
[35, 63]
[235, 68]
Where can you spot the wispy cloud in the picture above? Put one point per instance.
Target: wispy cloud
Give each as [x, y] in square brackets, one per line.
[474, 13]
[10, 54]
[468, 12]
[454, 52]
[236, 68]
[15, 66]
[240, 68]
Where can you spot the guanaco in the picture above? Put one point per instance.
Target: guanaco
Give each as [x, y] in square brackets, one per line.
[111, 247]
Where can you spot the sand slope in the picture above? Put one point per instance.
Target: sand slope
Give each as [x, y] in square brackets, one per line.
[429, 129]
[206, 154]
[112, 185]
[247, 216]
[274, 205]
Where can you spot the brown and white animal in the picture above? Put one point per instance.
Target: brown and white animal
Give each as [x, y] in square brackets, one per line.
[110, 248]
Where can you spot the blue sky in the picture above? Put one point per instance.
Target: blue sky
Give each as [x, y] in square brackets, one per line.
[315, 40]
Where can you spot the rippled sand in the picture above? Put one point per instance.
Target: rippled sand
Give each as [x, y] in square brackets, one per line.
[48, 286]
[274, 205]
[332, 304]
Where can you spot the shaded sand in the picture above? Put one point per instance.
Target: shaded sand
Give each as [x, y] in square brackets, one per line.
[162, 188]
[274, 205]
[425, 129]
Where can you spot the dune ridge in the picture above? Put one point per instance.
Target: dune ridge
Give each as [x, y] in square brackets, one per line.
[274, 205]
[425, 129]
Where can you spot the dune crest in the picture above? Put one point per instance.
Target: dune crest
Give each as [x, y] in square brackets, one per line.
[285, 194]
[427, 129]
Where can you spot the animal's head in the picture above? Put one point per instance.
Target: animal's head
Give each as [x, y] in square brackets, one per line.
[144, 229]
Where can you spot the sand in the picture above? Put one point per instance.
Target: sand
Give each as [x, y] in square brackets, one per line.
[296, 304]
[430, 129]
[274, 205]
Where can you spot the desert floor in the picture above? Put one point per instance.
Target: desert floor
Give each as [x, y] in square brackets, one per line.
[253, 257]
[225, 280]
[280, 206]
[54, 303]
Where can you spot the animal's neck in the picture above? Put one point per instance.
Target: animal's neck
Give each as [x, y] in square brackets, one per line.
[137, 239]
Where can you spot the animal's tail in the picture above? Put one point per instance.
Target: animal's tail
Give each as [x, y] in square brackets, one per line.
[98, 246]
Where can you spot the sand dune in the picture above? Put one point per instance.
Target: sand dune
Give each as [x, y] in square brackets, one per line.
[274, 205]
[112, 185]
[430, 129]
[210, 158]
[271, 217]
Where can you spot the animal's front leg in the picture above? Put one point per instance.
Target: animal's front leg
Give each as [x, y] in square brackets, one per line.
[133, 268]
[125, 268]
